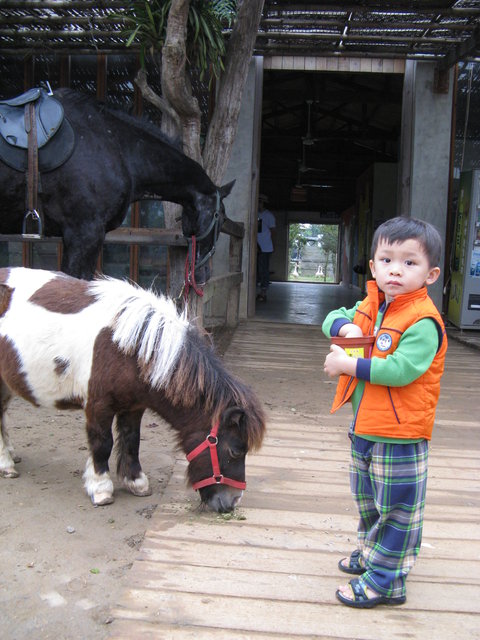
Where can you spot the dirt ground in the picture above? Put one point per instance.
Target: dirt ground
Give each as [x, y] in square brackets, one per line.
[64, 562]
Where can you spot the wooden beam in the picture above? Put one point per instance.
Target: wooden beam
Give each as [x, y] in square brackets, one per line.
[122, 235]
[233, 228]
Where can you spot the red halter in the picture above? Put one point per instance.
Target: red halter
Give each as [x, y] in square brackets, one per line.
[211, 442]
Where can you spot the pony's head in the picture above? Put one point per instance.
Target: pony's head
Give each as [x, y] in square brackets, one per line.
[204, 220]
[217, 464]
[218, 418]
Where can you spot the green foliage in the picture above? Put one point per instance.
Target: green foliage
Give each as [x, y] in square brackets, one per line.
[329, 239]
[146, 23]
[296, 235]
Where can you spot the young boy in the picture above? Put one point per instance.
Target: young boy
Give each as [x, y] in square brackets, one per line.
[394, 393]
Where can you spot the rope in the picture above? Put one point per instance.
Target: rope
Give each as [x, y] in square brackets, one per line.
[190, 270]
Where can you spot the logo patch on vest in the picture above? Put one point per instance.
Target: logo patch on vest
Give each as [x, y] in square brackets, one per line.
[384, 342]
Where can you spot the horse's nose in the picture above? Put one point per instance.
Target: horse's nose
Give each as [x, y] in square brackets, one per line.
[225, 499]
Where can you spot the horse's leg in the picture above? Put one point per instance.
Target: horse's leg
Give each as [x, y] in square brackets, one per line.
[98, 483]
[81, 248]
[128, 444]
[7, 457]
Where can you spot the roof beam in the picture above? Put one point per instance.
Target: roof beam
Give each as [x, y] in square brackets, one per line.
[462, 50]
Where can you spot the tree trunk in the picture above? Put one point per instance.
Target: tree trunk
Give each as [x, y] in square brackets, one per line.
[176, 88]
[177, 97]
[223, 126]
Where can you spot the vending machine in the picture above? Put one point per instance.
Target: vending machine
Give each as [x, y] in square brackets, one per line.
[464, 299]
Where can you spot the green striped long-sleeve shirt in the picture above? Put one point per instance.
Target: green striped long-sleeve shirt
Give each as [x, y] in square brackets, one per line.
[412, 357]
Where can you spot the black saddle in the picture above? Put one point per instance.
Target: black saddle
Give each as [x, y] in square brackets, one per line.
[55, 136]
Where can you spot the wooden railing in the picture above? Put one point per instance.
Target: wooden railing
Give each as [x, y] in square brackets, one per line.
[221, 298]
[219, 305]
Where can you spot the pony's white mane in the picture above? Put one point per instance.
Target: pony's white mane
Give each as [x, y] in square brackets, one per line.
[144, 324]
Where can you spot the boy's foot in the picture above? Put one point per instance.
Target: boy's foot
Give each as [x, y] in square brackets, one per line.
[261, 297]
[354, 594]
[352, 565]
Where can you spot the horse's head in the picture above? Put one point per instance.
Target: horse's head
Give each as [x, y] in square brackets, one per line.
[217, 464]
[204, 221]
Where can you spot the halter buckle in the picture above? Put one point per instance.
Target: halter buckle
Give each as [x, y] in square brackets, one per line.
[211, 442]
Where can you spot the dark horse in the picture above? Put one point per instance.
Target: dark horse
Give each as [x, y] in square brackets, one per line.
[116, 159]
[114, 350]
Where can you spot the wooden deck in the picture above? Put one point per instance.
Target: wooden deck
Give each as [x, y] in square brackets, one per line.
[270, 571]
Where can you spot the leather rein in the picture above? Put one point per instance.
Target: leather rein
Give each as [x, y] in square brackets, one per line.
[211, 442]
[32, 174]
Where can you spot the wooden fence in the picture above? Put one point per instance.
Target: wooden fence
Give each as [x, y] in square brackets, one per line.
[219, 305]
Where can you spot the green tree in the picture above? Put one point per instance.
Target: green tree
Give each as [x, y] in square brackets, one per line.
[205, 43]
[329, 244]
[296, 236]
[183, 37]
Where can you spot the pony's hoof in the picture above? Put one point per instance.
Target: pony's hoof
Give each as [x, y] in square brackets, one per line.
[101, 499]
[16, 459]
[139, 487]
[11, 472]
[141, 493]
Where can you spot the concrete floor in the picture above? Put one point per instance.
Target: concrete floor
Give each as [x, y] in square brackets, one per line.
[304, 302]
[309, 303]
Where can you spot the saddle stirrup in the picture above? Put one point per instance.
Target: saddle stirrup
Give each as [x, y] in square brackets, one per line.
[37, 219]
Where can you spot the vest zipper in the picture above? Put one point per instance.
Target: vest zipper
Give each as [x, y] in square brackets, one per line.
[346, 389]
[393, 405]
[388, 388]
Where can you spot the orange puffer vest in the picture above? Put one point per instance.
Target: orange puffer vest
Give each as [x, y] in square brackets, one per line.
[395, 412]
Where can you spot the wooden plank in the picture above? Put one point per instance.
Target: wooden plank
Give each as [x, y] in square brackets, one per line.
[295, 586]
[289, 619]
[299, 63]
[324, 561]
[332, 64]
[335, 63]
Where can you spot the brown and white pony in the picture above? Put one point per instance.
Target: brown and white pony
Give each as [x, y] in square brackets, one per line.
[114, 350]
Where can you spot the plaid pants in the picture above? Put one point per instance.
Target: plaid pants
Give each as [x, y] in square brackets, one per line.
[388, 482]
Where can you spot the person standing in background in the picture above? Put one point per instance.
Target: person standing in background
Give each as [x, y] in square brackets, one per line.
[266, 224]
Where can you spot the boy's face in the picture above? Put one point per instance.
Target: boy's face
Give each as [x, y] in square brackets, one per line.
[401, 267]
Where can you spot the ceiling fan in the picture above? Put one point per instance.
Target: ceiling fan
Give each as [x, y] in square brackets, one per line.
[299, 192]
[304, 168]
[307, 140]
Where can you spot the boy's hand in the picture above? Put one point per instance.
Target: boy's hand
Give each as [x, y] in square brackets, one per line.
[337, 362]
[350, 330]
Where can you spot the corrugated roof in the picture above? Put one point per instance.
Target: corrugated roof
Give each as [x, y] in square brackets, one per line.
[436, 30]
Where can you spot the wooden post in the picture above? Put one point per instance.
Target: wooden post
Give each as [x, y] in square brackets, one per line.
[175, 271]
[235, 266]
[195, 308]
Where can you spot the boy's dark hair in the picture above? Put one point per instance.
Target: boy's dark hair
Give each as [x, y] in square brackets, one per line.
[401, 229]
